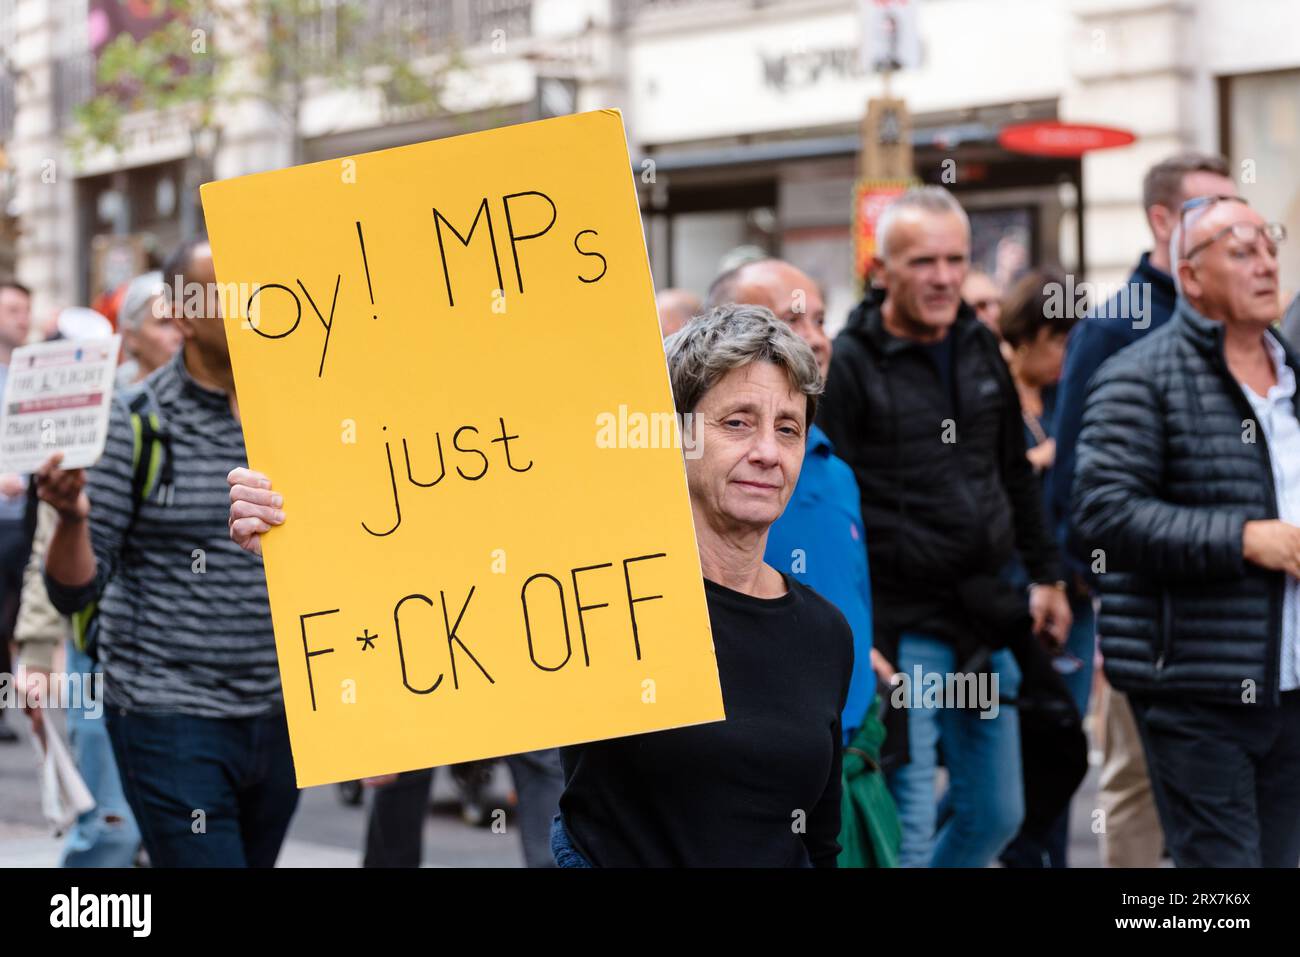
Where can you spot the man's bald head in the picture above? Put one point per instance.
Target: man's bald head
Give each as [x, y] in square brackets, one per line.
[197, 311]
[787, 290]
[1204, 221]
[676, 308]
[1228, 266]
[191, 261]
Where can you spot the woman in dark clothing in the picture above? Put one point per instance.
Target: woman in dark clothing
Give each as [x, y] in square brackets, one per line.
[1036, 321]
[761, 788]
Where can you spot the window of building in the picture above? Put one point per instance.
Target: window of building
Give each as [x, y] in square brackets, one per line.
[1262, 137]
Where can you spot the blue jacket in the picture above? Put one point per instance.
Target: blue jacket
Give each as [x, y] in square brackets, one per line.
[819, 541]
[1094, 340]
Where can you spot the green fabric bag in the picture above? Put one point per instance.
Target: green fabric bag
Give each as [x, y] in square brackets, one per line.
[869, 828]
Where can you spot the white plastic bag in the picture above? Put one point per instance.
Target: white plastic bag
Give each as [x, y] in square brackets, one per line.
[64, 795]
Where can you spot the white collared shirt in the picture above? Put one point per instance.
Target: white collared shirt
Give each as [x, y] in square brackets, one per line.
[1277, 417]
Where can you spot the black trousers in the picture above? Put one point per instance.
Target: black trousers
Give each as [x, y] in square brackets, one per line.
[15, 546]
[395, 826]
[1229, 779]
[395, 823]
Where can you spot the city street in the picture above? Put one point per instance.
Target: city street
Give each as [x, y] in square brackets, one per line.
[327, 833]
[847, 358]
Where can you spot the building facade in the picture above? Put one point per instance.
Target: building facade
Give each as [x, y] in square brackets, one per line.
[752, 109]
[743, 119]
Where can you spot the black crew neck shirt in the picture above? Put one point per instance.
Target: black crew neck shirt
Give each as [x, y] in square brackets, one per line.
[760, 789]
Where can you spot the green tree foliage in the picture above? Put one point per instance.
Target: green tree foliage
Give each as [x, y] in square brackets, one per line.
[208, 55]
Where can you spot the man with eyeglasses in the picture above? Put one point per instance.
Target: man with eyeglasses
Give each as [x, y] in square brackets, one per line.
[1189, 479]
[980, 291]
[1132, 836]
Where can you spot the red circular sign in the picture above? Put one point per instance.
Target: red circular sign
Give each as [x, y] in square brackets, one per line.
[1061, 139]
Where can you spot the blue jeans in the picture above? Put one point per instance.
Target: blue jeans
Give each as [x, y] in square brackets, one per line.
[1082, 644]
[106, 835]
[207, 792]
[984, 804]
[566, 855]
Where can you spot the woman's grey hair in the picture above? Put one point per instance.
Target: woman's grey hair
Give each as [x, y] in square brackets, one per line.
[929, 199]
[142, 291]
[732, 336]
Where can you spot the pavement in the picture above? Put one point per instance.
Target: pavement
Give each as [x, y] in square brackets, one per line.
[327, 833]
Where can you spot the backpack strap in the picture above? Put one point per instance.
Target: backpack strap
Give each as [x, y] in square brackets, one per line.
[151, 451]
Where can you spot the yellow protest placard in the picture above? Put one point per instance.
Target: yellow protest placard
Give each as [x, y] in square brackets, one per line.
[448, 360]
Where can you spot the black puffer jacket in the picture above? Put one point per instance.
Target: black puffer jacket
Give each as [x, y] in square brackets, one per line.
[1167, 477]
[936, 512]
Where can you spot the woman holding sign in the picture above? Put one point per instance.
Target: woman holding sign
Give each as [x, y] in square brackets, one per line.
[761, 788]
